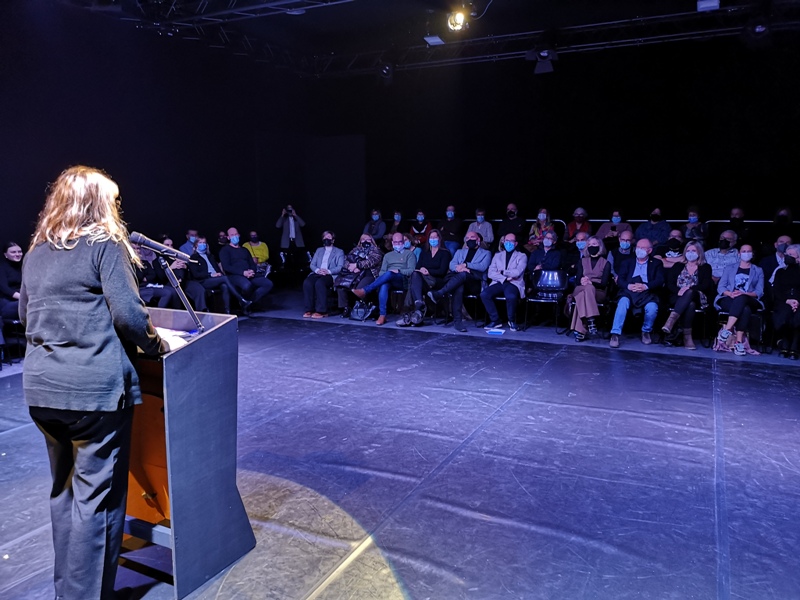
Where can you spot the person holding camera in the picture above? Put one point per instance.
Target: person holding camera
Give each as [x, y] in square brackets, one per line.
[291, 225]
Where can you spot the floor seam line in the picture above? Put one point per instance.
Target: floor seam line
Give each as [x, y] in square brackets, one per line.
[720, 500]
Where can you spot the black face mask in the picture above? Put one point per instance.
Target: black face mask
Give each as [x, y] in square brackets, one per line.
[674, 244]
[222, 241]
[472, 244]
[655, 217]
[254, 239]
[790, 261]
[327, 242]
[724, 244]
[737, 220]
[593, 250]
[511, 214]
[366, 245]
[781, 248]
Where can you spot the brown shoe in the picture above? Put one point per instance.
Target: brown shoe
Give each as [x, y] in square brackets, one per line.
[614, 343]
[307, 315]
[381, 320]
[360, 293]
[688, 342]
[646, 339]
[673, 318]
[319, 315]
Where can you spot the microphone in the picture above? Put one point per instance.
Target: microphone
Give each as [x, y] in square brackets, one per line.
[143, 240]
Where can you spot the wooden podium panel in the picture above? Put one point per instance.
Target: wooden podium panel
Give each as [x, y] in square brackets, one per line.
[182, 478]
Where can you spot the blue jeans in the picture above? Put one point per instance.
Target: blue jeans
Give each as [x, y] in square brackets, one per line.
[650, 313]
[386, 282]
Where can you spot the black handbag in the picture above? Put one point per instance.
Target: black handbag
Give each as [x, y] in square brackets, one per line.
[362, 310]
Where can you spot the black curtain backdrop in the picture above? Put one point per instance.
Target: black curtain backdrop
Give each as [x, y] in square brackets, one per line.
[198, 137]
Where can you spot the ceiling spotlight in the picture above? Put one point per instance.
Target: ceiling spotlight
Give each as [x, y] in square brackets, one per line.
[457, 21]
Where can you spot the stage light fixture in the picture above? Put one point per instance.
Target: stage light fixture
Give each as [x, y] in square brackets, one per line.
[544, 58]
[457, 21]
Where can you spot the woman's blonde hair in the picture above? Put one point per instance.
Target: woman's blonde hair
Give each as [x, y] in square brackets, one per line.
[82, 202]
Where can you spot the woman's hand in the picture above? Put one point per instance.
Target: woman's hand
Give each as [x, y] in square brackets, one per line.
[793, 303]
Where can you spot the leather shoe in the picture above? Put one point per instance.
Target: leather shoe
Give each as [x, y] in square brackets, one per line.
[381, 320]
[646, 338]
[346, 313]
[614, 343]
[459, 326]
[360, 293]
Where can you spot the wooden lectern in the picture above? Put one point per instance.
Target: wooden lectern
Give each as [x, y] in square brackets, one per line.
[182, 483]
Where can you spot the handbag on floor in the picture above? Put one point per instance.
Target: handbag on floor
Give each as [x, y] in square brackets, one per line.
[362, 310]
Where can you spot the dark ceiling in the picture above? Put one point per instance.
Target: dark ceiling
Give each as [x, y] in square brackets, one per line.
[350, 37]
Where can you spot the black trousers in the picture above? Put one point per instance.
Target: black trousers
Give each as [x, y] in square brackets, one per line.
[252, 289]
[741, 307]
[685, 306]
[315, 292]
[89, 455]
[455, 283]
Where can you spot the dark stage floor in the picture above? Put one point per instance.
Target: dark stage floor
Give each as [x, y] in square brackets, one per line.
[380, 463]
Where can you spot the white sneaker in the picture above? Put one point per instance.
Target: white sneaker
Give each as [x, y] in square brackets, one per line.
[738, 349]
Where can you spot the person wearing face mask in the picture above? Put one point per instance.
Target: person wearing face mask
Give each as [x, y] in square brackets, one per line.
[693, 230]
[292, 244]
[222, 241]
[375, 227]
[10, 280]
[774, 261]
[362, 266]
[739, 294]
[397, 223]
[691, 287]
[593, 277]
[640, 281]
[573, 253]
[396, 268]
[153, 283]
[429, 275]
[240, 267]
[786, 296]
[483, 227]
[467, 272]
[579, 223]
[188, 246]
[512, 223]
[546, 256]
[328, 261]
[783, 224]
[205, 271]
[451, 230]
[611, 230]
[259, 251]
[742, 229]
[506, 278]
[724, 256]
[623, 252]
[420, 228]
[655, 229]
[536, 234]
[671, 252]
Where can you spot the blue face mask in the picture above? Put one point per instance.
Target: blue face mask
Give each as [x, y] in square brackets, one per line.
[376, 217]
[396, 216]
[192, 239]
[616, 220]
[433, 242]
[201, 248]
[693, 219]
[234, 240]
[397, 247]
[480, 218]
[580, 245]
[450, 214]
[420, 218]
[509, 246]
[406, 244]
[624, 245]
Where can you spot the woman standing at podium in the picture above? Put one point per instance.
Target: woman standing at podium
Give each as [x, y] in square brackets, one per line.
[83, 319]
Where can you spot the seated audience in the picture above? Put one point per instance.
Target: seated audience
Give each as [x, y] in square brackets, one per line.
[671, 252]
[483, 227]
[188, 246]
[640, 282]
[739, 294]
[205, 270]
[512, 223]
[450, 228]
[573, 252]
[506, 276]
[656, 229]
[742, 229]
[542, 225]
[694, 230]
[10, 280]
[375, 227]
[240, 268]
[579, 223]
[786, 296]
[467, 272]
[593, 277]
[396, 268]
[153, 283]
[691, 287]
[193, 291]
[362, 266]
[327, 262]
[775, 260]
[725, 255]
[420, 229]
[397, 222]
[428, 275]
[623, 252]
[611, 230]
[259, 251]
[546, 256]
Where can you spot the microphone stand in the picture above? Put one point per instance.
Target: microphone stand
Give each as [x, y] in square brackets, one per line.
[177, 286]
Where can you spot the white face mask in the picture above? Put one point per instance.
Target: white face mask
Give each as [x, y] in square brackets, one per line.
[746, 256]
[641, 253]
[691, 256]
[547, 242]
[542, 216]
